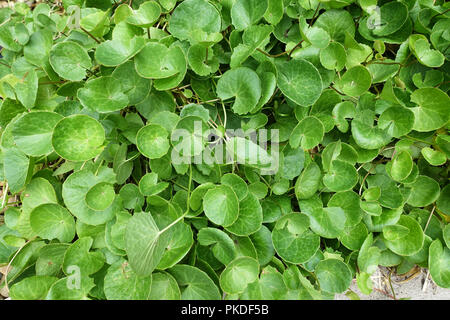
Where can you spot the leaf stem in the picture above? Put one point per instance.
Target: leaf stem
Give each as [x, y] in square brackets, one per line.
[224, 115]
[188, 204]
[295, 47]
[390, 284]
[272, 55]
[5, 64]
[10, 262]
[90, 35]
[5, 193]
[438, 14]
[429, 219]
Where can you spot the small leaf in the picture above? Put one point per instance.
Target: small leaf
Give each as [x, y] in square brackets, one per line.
[152, 141]
[78, 138]
[334, 275]
[238, 274]
[307, 134]
[51, 221]
[434, 157]
[221, 205]
[300, 81]
[243, 84]
[145, 244]
[70, 60]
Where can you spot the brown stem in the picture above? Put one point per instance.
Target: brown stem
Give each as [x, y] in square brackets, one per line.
[314, 15]
[5, 64]
[271, 55]
[295, 47]
[90, 35]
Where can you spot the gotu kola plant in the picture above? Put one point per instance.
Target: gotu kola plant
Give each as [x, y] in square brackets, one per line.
[246, 149]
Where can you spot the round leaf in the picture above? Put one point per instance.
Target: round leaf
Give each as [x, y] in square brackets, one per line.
[300, 81]
[32, 132]
[334, 275]
[70, 60]
[238, 274]
[152, 141]
[51, 221]
[78, 138]
[221, 205]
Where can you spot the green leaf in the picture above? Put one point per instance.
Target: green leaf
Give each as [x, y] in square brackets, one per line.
[408, 244]
[398, 121]
[432, 110]
[145, 244]
[426, 56]
[369, 256]
[195, 284]
[70, 60]
[32, 288]
[147, 14]
[391, 18]
[100, 196]
[355, 81]
[238, 274]
[434, 157]
[243, 84]
[156, 61]
[402, 166]
[439, 264]
[78, 258]
[134, 86]
[274, 11]
[51, 221]
[333, 56]
[249, 153]
[78, 138]
[334, 275]
[148, 185]
[112, 53]
[327, 222]
[164, 287]
[269, 286]
[443, 202]
[250, 217]
[202, 60]
[103, 95]
[368, 136]
[292, 239]
[26, 89]
[222, 245]
[364, 283]
[299, 80]
[307, 134]
[341, 177]
[236, 183]
[184, 27]
[152, 141]
[221, 205]
[74, 192]
[424, 191]
[121, 283]
[308, 182]
[244, 13]
[32, 132]
[337, 23]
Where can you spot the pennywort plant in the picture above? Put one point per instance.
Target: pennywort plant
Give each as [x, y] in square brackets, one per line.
[222, 149]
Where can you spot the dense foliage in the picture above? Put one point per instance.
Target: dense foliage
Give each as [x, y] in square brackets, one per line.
[351, 94]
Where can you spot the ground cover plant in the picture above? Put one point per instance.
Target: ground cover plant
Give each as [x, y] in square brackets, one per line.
[233, 149]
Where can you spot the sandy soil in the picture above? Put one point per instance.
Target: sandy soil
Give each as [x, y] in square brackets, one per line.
[419, 286]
